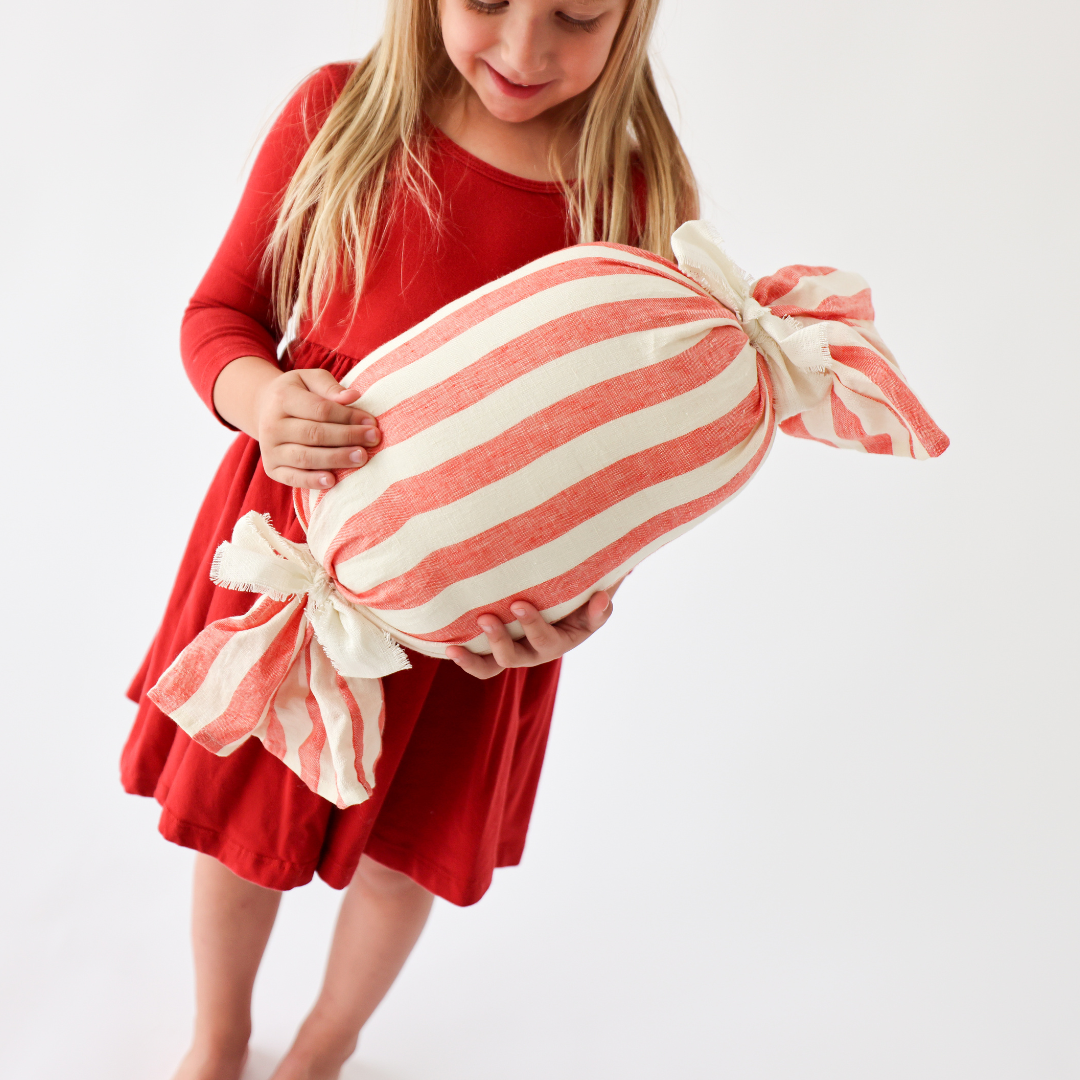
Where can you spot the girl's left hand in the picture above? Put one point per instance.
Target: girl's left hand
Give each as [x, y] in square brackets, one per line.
[543, 641]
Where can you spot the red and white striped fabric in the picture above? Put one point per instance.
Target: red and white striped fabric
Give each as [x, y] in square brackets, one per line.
[541, 436]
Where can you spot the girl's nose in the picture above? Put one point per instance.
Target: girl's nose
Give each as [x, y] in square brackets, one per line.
[524, 48]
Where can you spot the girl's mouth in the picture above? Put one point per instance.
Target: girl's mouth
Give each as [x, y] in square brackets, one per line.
[515, 90]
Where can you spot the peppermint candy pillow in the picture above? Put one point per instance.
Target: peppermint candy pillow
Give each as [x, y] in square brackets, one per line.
[541, 436]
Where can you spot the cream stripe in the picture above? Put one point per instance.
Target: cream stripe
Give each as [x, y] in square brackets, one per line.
[472, 344]
[877, 419]
[566, 255]
[489, 417]
[327, 782]
[479, 643]
[540, 480]
[290, 705]
[575, 546]
[840, 334]
[857, 381]
[819, 423]
[812, 290]
[868, 332]
[337, 766]
[877, 415]
[369, 697]
[238, 656]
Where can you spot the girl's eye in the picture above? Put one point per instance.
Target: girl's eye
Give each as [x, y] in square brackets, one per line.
[587, 25]
[493, 9]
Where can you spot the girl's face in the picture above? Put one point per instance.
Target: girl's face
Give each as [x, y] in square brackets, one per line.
[523, 57]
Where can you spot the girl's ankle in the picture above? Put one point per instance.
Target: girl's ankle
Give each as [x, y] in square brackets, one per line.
[210, 1062]
[321, 1048]
[222, 1035]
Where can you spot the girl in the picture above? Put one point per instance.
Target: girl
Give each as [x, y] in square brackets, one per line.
[474, 138]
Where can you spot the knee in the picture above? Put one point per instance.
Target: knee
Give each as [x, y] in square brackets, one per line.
[380, 880]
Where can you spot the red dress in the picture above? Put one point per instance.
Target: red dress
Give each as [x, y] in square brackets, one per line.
[461, 756]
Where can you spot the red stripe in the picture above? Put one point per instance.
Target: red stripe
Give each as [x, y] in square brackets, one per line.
[274, 740]
[357, 729]
[178, 683]
[659, 260]
[795, 426]
[300, 500]
[847, 425]
[530, 439]
[568, 509]
[259, 685]
[483, 307]
[784, 280]
[906, 405]
[574, 582]
[838, 308]
[538, 347]
[311, 748]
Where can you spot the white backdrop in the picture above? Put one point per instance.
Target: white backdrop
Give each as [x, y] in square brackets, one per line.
[810, 806]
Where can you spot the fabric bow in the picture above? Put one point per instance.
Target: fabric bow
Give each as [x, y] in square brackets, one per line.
[300, 671]
[259, 559]
[786, 343]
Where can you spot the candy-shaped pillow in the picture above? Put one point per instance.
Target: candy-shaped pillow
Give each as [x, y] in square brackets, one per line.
[541, 436]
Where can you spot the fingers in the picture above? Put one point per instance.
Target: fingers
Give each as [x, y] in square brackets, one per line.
[304, 444]
[306, 458]
[598, 611]
[483, 667]
[308, 430]
[303, 432]
[505, 652]
[543, 641]
[305, 466]
[320, 381]
[316, 480]
[297, 399]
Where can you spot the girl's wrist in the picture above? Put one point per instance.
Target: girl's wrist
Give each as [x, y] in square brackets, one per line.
[238, 391]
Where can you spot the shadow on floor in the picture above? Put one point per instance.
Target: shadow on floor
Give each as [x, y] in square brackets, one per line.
[261, 1064]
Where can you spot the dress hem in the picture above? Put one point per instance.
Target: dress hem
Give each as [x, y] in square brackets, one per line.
[264, 870]
[281, 875]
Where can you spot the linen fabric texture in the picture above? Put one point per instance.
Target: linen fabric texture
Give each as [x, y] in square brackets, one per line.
[541, 436]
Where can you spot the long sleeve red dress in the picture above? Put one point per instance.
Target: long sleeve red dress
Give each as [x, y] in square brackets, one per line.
[461, 756]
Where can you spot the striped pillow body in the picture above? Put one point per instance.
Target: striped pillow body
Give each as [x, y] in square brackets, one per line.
[541, 436]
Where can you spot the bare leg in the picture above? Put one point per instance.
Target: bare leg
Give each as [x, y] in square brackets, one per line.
[380, 920]
[231, 923]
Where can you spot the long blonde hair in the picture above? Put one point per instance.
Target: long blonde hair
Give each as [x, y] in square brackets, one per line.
[372, 149]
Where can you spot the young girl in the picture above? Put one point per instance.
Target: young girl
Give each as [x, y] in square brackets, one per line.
[473, 139]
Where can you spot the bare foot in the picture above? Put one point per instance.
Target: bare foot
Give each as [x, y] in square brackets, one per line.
[316, 1055]
[203, 1064]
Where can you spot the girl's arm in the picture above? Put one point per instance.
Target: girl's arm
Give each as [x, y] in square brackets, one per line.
[229, 335]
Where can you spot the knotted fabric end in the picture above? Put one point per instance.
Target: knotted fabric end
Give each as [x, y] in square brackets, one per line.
[832, 378]
[301, 671]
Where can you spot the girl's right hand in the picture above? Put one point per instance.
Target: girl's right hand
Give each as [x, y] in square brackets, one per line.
[307, 427]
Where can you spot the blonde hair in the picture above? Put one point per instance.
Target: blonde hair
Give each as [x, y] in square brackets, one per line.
[372, 150]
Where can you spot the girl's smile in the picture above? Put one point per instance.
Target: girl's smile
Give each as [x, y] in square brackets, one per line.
[523, 57]
[514, 89]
